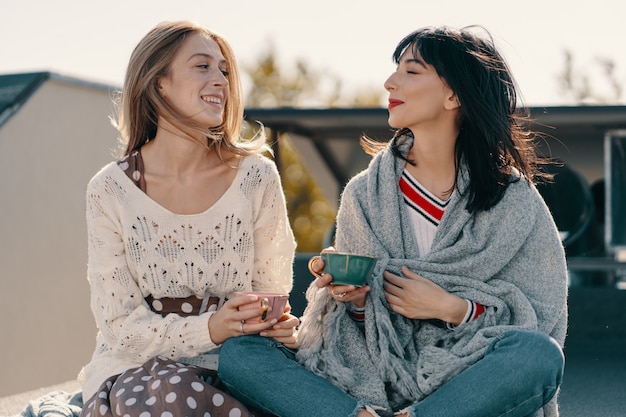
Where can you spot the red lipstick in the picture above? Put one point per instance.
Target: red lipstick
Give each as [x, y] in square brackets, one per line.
[393, 103]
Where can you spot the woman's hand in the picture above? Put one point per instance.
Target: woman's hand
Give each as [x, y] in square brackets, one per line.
[228, 321]
[416, 297]
[341, 293]
[285, 331]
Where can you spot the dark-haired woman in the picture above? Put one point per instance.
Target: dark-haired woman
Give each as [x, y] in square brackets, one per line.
[465, 313]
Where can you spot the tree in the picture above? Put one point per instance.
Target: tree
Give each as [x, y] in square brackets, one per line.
[301, 86]
[310, 213]
[577, 85]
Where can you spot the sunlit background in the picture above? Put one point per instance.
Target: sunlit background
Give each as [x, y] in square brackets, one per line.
[327, 54]
[350, 40]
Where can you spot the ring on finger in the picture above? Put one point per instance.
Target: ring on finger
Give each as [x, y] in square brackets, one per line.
[340, 295]
[241, 328]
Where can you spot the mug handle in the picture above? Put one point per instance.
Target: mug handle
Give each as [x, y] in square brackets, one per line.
[312, 262]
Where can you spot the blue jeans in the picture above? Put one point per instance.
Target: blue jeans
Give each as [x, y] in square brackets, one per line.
[520, 372]
[262, 373]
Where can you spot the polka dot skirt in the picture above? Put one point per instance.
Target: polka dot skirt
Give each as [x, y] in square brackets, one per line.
[163, 388]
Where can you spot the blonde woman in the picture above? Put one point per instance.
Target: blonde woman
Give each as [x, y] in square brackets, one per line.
[188, 216]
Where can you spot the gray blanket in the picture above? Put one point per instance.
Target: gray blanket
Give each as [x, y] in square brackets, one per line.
[509, 259]
[54, 404]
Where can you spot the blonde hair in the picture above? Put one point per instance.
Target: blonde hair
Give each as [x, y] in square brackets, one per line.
[140, 104]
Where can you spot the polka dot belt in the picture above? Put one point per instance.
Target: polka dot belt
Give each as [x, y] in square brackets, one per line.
[188, 306]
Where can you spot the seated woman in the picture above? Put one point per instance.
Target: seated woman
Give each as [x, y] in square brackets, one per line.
[190, 214]
[465, 313]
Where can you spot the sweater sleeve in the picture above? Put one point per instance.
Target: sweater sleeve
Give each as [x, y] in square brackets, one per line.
[122, 316]
[274, 243]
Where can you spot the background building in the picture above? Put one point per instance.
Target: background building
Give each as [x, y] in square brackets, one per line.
[54, 135]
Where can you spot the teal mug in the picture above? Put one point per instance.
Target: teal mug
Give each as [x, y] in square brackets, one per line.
[348, 268]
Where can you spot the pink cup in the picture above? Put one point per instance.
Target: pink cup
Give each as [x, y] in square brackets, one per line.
[273, 305]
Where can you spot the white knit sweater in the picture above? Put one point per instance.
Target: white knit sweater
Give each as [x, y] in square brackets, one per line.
[138, 248]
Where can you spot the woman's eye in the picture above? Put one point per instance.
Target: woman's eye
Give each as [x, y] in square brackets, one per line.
[225, 73]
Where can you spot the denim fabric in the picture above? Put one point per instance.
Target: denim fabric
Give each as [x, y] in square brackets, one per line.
[520, 372]
[263, 374]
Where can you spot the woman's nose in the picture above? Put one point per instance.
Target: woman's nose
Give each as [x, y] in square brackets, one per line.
[389, 85]
[218, 78]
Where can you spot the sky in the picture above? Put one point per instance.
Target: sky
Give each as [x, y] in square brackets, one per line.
[350, 39]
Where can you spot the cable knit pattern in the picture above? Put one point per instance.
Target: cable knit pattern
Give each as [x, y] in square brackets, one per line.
[138, 248]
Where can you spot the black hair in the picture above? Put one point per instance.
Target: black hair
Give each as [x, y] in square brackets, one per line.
[492, 141]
